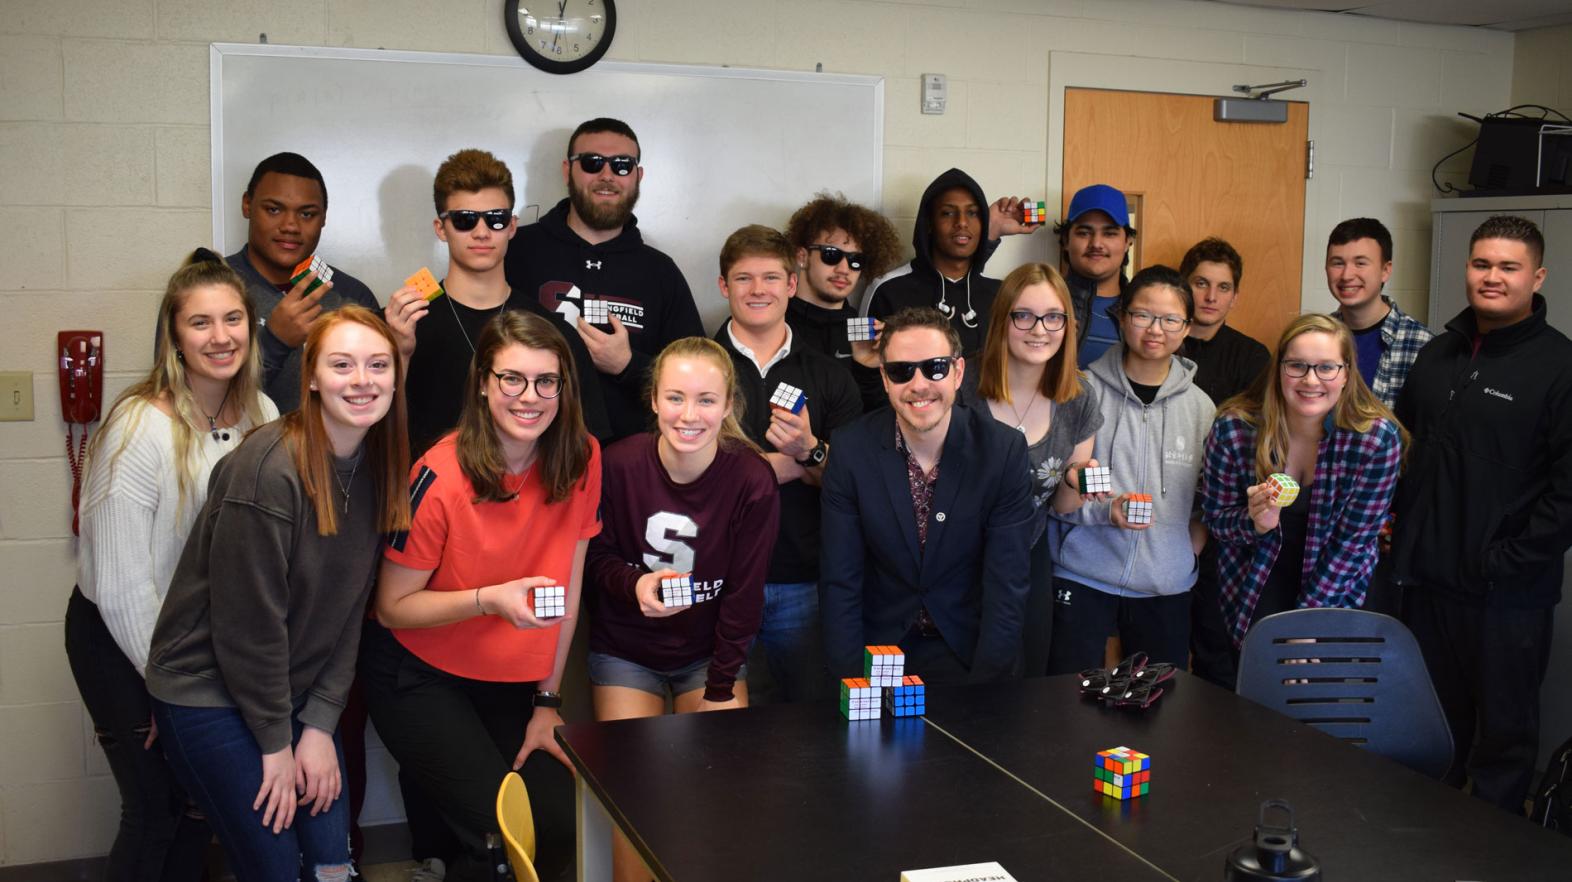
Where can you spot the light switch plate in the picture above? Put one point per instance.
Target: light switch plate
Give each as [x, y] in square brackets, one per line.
[16, 396]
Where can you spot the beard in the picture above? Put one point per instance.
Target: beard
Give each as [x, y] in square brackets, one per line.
[600, 215]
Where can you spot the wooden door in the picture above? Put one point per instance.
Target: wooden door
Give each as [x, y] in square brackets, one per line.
[1188, 176]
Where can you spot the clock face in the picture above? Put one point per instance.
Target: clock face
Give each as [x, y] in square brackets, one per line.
[561, 36]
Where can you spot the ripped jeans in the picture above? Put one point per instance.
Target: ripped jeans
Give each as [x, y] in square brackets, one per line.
[217, 759]
[161, 835]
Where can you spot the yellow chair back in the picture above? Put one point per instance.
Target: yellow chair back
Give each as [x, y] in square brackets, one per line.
[518, 826]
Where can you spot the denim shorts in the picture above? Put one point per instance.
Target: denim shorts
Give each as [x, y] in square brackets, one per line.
[611, 670]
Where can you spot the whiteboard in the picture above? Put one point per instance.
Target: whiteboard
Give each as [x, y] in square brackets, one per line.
[722, 147]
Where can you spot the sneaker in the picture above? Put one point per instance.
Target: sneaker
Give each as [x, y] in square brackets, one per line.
[430, 870]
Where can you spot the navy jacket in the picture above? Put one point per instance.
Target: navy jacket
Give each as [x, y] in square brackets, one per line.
[972, 574]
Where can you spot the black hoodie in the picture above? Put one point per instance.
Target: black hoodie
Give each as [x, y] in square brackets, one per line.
[919, 284]
[824, 331]
[1484, 510]
[547, 261]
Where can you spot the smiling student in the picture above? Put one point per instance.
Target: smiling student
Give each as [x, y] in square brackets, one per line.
[254, 649]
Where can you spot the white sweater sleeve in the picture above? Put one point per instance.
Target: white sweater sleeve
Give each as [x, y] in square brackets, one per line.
[118, 512]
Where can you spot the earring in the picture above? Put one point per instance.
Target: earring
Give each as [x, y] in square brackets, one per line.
[180, 356]
[313, 387]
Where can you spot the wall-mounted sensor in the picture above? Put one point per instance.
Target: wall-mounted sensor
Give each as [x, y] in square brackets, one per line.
[934, 91]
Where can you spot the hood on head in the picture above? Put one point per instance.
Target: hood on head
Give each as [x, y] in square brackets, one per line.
[922, 232]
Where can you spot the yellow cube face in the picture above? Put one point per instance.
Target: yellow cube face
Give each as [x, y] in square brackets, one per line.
[1284, 490]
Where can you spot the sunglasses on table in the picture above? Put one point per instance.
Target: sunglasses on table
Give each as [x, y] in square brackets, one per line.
[1326, 371]
[933, 368]
[513, 385]
[465, 220]
[832, 256]
[592, 163]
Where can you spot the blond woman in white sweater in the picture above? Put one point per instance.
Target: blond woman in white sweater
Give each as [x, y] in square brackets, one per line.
[145, 482]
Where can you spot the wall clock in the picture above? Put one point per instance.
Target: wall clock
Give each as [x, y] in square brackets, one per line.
[561, 36]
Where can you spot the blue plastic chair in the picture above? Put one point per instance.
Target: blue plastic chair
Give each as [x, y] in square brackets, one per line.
[1353, 674]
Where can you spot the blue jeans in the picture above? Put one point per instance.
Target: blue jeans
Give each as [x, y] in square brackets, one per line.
[793, 643]
[219, 763]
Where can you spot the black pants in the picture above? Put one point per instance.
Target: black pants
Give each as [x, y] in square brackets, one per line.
[1213, 655]
[1037, 627]
[454, 739]
[1487, 665]
[932, 659]
[160, 836]
[1083, 619]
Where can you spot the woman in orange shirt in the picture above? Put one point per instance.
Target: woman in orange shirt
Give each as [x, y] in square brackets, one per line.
[461, 674]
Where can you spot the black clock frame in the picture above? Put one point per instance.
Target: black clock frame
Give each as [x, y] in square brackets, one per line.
[531, 54]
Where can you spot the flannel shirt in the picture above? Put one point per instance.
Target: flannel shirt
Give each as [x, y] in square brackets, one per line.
[1402, 336]
[1355, 476]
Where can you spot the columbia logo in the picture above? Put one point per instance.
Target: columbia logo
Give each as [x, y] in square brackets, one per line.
[592, 264]
[1505, 396]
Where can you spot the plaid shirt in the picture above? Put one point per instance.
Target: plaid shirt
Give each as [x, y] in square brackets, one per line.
[1402, 336]
[1355, 476]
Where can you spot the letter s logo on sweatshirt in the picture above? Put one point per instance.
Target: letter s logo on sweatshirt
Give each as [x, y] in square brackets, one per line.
[664, 531]
[1178, 455]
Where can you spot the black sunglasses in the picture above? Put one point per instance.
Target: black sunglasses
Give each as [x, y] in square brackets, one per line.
[592, 163]
[465, 220]
[933, 368]
[832, 256]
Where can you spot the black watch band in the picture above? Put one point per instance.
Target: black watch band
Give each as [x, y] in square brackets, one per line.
[816, 456]
[548, 699]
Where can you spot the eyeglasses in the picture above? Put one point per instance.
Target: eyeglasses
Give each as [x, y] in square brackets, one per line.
[832, 256]
[465, 220]
[1325, 371]
[513, 385]
[933, 368]
[592, 163]
[1169, 323]
[1025, 320]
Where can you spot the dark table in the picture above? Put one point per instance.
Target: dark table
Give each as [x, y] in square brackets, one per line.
[1216, 756]
[794, 792]
[1003, 773]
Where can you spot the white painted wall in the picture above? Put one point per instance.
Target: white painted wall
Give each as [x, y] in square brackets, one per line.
[104, 185]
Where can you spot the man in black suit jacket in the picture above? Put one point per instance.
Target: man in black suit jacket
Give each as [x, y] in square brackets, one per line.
[927, 520]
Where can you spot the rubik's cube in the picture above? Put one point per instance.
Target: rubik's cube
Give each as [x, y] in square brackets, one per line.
[426, 283]
[859, 699]
[1122, 773]
[312, 264]
[1034, 212]
[907, 699]
[595, 311]
[1138, 508]
[551, 602]
[1096, 479]
[883, 665]
[860, 329]
[788, 397]
[1284, 489]
[676, 591]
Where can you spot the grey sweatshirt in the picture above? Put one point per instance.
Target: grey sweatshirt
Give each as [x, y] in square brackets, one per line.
[263, 614]
[1151, 448]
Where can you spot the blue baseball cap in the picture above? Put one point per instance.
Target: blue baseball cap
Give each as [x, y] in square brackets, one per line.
[1103, 198]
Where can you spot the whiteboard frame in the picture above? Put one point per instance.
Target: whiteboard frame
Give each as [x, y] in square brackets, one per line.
[218, 51]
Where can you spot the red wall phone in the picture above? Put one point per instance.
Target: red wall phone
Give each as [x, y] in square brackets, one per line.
[81, 397]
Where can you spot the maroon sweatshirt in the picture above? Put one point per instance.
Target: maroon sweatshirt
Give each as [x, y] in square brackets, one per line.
[720, 528]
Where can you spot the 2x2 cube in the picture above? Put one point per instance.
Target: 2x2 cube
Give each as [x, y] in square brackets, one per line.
[676, 592]
[551, 602]
[1121, 773]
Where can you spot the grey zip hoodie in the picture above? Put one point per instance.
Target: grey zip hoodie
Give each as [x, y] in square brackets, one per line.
[1151, 448]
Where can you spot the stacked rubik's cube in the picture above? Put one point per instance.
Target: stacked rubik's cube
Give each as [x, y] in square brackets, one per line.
[1284, 489]
[595, 311]
[312, 264]
[1034, 212]
[884, 673]
[551, 602]
[676, 592]
[1138, 508]
[1122, 773]
[860, 329]
[788, 397]
[1096, 479]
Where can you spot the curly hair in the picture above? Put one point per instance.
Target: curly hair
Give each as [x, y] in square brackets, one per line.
[881, 247]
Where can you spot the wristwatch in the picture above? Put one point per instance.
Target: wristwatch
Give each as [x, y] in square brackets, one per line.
[548, 699]
[816, 456]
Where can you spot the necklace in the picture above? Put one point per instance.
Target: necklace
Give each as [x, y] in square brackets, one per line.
[453, 309]
[1020, 418]
[212, 419]
[343, 486]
